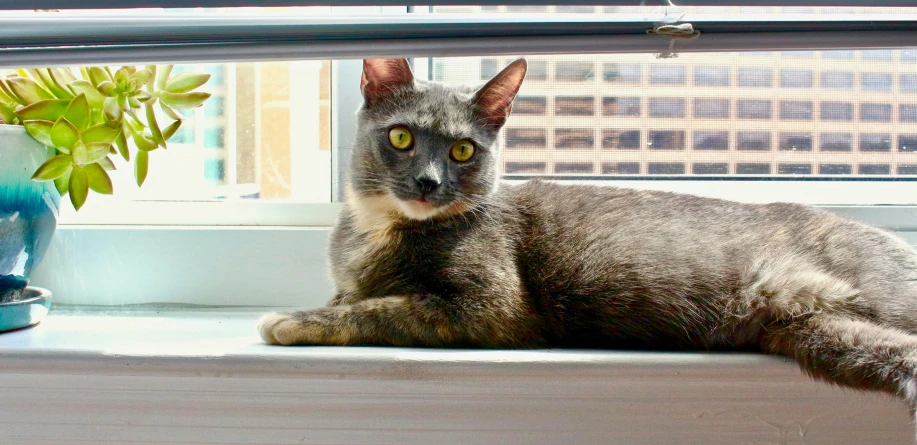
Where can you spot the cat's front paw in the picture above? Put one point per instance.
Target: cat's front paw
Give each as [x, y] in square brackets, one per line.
[279, 328]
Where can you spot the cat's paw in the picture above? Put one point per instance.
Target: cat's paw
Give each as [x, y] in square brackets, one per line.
[279, 328]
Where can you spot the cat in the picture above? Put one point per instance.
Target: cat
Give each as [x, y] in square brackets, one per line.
[430, 251]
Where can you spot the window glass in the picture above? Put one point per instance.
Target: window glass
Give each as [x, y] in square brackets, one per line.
[667, 74]
[836, 111]
[795, 78]
[755, 77]
[837, 80]
[753, 109]
[875, 142]
[711, 76]
[711, 108]
[876, 81]
[796, 109]
[667, 107]
[711, 140]
[621, 106]
[872, 112]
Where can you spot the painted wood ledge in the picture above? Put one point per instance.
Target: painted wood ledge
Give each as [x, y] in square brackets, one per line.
[203, 377]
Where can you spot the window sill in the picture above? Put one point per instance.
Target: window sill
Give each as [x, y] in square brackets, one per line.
[202, 376]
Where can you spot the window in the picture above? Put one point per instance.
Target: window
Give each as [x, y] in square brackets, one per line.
[574, 106]
[667, 107]
[838, 54]
[798, 54]
[710, 168]
[711, 140]
[753, 109]
[835, 169]
[907, 169]
[795, 109]
[836, 111]
[711, 76]
[621, 139]
[837, 80]
[621, 106]
[489, 68]
[908, 82]
[666, 168]
[525, 138]
[907, 142]
[907, 113]
[711, 108]
[877, 54]
[538, 71]
[876, 82]
[755, 77]
[574, 138]
[792, 78]
[621, 168]
[796, 141]
[753, 140]
[573, 168]
[836, 142]
[750, 168]
[666, 140]
[622, 73]
[667, 74]
[794, 169]
[533, 106]
[909, 55]
[870, 112]
[874, 169]
[575, 71]
[875, 142]
[525, 168]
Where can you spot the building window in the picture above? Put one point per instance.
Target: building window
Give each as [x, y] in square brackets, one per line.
[875, 112]
[796, 78]
[666, 140]
[522, 168]
[794, 169]
[837, 80]
[835, 169]
[755, 77]
[621, 139]
[621, 106]
[667, 74]
[621, 168]
[530, 106]
[575, 9]
[622, 73]
[796, 141]
[907, 113]
[666, 168]
[710, 168]
[214, 137]
[875, 142]
[537, 70]
[909, 55]
[877, 54]
[574, 71]
[574, 139]
[753, 168]
[215, 107]
[836, 111]
[874, 169]
[526, 138]
[798, 54]
[907, 142]
[837, 54]
[667, 107]
[796, 109]
[711, 140]
[711, 76]
[574, 106]
[836, 142]
[876, 81]
[907, 82]
[711, 108]
[907, 169]
[753, 140]
[753, 109]
[573, 168]
[489, 68]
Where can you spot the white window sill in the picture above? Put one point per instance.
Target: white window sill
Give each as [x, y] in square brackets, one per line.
[203, 377]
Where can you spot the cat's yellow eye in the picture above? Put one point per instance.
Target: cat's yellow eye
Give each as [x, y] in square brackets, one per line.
[462, 150]
[400, 138]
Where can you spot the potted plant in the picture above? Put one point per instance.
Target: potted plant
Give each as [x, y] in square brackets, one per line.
[59, 129]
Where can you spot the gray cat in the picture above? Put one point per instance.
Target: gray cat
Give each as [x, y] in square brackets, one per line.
[430, 252]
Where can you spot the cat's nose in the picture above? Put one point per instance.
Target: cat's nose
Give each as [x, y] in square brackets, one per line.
[426, 184]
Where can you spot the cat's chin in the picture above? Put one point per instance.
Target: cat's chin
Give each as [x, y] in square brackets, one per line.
[418, 210]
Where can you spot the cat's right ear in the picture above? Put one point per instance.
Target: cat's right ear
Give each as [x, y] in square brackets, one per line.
[382, 77]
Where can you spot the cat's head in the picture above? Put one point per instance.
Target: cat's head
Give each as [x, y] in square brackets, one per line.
[423, 148]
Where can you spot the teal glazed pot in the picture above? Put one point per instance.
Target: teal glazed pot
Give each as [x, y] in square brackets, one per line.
[28, 210]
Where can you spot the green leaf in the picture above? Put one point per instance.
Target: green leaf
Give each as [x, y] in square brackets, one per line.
[144, 142]
[56, 89]
[141, 166]
[169, 131]
[185, 82]
[85, 154]
[107, 164]
[142, 77]
[45, 110]
[170, 112]
[98, 76]
[40, 131]
[122, 76]
[78, 112]
[7, 113]
[79, 187]
[100, 133]
[183, 101]
[112, 110]
[93, 96]
[99, 181]
[162, 76]
[27, 90]
[62, 184]
[121, 142]
[5, 88]
[63, 134]
[107, 89]
[53, 168]
[154, 126]
[63, 76]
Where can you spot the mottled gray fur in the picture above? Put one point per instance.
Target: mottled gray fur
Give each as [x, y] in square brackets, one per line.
[546, 265]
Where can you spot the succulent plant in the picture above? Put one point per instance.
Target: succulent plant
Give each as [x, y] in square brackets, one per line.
[98, 113]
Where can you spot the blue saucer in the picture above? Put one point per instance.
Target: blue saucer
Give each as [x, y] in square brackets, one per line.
[27, 311]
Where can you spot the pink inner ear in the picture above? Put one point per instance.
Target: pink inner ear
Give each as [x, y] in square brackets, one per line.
[495, 99]
[381, 77]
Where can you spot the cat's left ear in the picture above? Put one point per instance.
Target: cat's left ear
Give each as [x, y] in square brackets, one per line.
[494, 100]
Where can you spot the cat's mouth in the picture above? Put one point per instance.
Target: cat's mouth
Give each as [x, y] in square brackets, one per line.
[419, 209]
